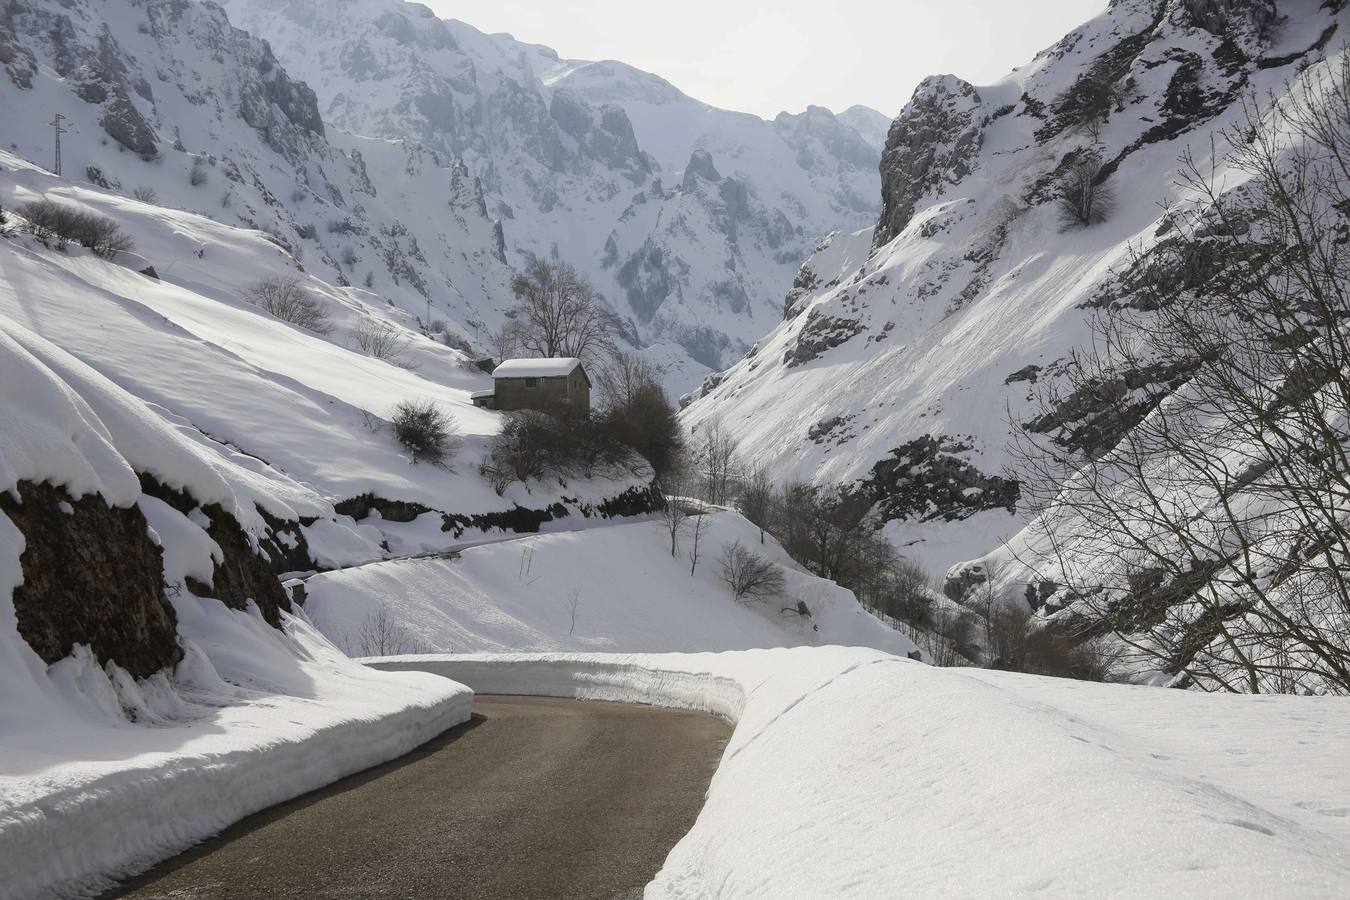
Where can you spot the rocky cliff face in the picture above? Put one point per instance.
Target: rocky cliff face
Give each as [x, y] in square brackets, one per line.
[591, 161]
[906, 349]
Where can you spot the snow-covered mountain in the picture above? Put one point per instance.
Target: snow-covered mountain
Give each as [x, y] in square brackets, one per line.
[690, 219]
[170, 101]
[906, 348]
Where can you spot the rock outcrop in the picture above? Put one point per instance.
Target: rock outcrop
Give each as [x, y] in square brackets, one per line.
[92, 575]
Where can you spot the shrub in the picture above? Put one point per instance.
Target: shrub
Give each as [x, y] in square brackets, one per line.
[637, 413]
[286, 298]
[145, 193]
[198, 177]
[1085, 198]
[55, 224]
[532, 444]
[750, 576]
[307, 231]
[426, 431]
[382, 341]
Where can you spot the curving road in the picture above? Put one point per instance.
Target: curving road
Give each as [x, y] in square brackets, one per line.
[533, 798]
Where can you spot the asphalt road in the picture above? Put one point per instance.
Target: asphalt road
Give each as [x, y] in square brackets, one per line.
[533, 798]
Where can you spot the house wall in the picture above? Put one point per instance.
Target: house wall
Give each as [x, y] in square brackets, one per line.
[513, 393]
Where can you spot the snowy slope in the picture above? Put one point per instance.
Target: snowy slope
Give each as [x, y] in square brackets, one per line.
[310, 406]
[906, 349]
[856, 774]
[593, 161]
[630, 594]
[110, 761]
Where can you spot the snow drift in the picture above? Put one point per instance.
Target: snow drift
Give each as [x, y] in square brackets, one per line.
[852, 773]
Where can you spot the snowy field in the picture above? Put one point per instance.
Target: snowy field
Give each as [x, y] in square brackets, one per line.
[630, 595]
[852, 773]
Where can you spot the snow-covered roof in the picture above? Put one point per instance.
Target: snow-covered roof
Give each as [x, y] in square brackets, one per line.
[479, 395]
[536, 368]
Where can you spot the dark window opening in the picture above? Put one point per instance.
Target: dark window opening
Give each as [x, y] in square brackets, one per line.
[532, 382]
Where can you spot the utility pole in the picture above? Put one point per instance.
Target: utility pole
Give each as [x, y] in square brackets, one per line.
[56, 124]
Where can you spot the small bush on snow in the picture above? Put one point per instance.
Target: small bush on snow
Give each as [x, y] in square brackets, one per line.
[286, 298]
[55, 224]
[533, 443]
[426, 431]
[750, 576]
[1085, 199]
[382, 341]
[145, 193]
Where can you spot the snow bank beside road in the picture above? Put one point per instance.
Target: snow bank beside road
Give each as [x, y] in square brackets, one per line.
[852, 773]
[87, 797]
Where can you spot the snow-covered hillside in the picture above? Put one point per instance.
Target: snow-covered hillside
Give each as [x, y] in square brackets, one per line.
[690, 219]
[307, 405]
[170, 102]
[613, 588]
[155, 682]
[906, 348]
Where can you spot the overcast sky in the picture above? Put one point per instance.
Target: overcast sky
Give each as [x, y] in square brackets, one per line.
[767, 57]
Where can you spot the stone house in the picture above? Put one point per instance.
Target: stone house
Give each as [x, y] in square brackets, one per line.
[544, 384]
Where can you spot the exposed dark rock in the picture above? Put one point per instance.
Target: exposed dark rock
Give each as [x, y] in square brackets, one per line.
[961, 580]
[92, 576]
[632, 502]
[1097, 415]
[391, 510]
[1026, 373]
[1221, 17]
[125, 124]
[927, 480]
[820, 333]
[286, 546]
[149, 272]
[606, 136]
[647, 279]
[242, 575]
[933, 143]
[701, 166]
[707, 345]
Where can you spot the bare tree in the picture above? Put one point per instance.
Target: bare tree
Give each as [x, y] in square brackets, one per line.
[559, 314]
[287, 298]
[700, 517]
[1085, 198]
[146, 193]
[1211, 538]
[757, 499]
[750, 576]
[674, 485]
[573, 602]
[382, 634]
[717, 462]
[382, 341]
